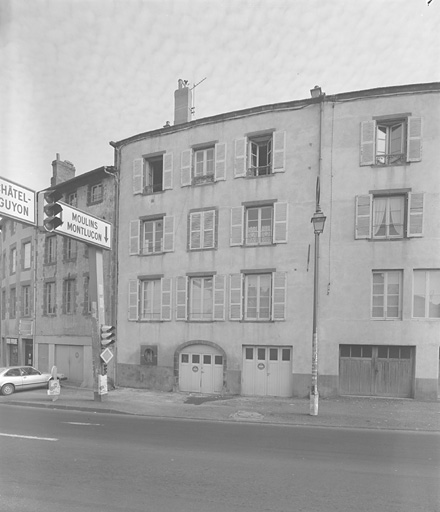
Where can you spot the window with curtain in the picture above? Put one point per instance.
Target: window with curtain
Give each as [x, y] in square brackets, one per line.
[388, 216]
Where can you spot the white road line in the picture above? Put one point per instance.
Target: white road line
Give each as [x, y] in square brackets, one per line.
[29, 437]
[78, 423]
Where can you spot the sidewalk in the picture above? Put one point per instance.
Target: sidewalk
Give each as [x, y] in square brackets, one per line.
[350, 412]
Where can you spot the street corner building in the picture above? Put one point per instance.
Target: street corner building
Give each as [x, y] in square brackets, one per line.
[215, 247]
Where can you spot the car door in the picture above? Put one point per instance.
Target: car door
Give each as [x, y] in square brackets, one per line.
[32, 378]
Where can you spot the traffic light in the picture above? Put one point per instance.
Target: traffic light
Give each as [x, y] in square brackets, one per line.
[108, 335]
[51, 218]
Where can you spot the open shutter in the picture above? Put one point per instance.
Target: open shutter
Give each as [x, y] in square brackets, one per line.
[279, 280]
[280, 223]
[165, 301]
[135, 236]
[209, 229]
[219, 297]
[133, 299]
[279, 152]
[415, 214]
[368, 142]
[235, 297]
[168, 234]
[138, 167]
[195, 230]
[167, 171]
[363, 216]
[240, 158]
[237, 216]
[414, 139]
[220, 161]
[181, 297]
[185, 168]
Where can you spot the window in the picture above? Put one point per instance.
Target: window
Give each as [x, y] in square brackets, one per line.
[50, 249]
[13, 260]
[151, 235]
[391, 141]
[70, 249]
[27, 255]
[257, 300]
[387, 295]
[149, 299]
[72, 199]
[87, 305]
[3, 304]
[95, 193]
[202, 230]
[49, 298]
[385, 216]
[69, 288]
[12, 303]
[153, 174]
[200, 297]
[26, 300]
[426, 294]
[258, 225]
[260, 156]
[201, 165]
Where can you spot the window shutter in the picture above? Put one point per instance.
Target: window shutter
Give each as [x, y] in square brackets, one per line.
[219, 297]
[235, 297]
[168, 234]
[415, 214]
[414, 139]
[368, 142]
[209, 229]
[138, 165]
[181, 297]
[363, 216]
[133, 299]
[279, 280]
[279, 152]
[168, 171]
[240, 158]
[195, 230]
[165, 304]
[237, 216]
[185, 168]
[135, 232]
[220, 161]
[280, 223]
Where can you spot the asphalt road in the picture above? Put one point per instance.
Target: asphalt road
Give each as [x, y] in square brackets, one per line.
[72, 461]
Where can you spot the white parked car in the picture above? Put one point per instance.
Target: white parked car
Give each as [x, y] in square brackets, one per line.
[15, 378]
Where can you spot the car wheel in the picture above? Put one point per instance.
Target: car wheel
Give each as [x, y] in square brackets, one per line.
[8, 389]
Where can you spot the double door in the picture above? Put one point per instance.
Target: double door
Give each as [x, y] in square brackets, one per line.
[201, 370]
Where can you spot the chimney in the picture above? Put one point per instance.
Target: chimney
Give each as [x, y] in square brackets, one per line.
[182, 103]
[61, 171]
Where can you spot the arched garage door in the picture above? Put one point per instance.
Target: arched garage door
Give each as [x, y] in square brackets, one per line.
[201, 369]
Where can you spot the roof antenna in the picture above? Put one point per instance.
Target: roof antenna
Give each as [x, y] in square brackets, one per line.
[193, 107]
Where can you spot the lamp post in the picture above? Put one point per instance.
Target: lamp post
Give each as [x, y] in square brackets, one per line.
[318, 220]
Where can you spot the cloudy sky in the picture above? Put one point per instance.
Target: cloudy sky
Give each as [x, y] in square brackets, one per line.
[76, 74]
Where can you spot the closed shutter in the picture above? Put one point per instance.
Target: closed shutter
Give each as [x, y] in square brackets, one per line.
[240, 158]
[138, 167]
[181, 297]
[220, 161]
[168, 171]
[280, 223]
[368, 143]
[363, 217]
[133, 299]
[219, 298]
[415, 214]
[195, 230]
[279, 295]
[185, 168]
[165, 304]
[235, 297]
[414, 139]
[168, 234]
[279, 152]
[209, 229]
[237, 216]
[135, 234]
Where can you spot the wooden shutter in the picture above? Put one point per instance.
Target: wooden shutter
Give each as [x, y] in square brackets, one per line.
[237, 217]
[368, 143]
[279, 280]
[185, 168]
[195, 230]
[415, 214]
[165, 304]
[235, 297]
[279, 152]
[280, 223]
[414, 139]
[363, 216]
[209, 229]
[240, 158]
[220, 161]
[168, 234]
[168, 171]
[134, 236]
[219, 297]
[138, 169]
[133, 299]
[181, 297]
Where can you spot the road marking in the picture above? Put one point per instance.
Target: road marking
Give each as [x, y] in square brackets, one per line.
[78, 423]
[29, 437]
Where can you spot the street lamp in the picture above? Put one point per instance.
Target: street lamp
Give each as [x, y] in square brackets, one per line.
[318, 220]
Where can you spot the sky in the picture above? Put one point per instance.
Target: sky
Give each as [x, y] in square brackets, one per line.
[77, 74]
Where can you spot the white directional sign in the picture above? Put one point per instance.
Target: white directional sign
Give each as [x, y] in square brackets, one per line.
[85, 227]
[17, 202]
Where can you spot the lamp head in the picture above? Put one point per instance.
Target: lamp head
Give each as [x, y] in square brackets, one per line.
[318, 220]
